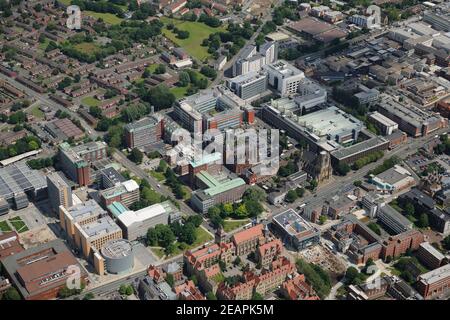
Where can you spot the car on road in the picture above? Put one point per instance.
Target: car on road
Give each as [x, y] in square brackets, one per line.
[158, 185]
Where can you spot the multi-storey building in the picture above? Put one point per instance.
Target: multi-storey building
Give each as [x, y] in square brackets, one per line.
[126, 192]
[284, 77]
[248, 85]
[135, 224]
[267, 252]
[248, 240]
[144, 132]
[59, 192]
[40, 272]
[75, 161]
[434, 283]
[89, 228]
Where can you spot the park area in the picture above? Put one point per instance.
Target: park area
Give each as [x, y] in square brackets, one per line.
[202, 237]
[18, 224]
[90, 102]
[198, 32]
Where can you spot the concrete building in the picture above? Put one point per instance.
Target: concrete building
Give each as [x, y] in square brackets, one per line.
[144, 132]
[251, 59]
[40, 272]
[119, 256]
[294, 230]
[9, 244]
[217, 192]
[440, 20]
[434, 283]
[363, 21]
[75, 161]
[248, 85]
[135, 224]
[19, 184]
[126, 192]
[412, 120]
[430, 256]
[89, 228]
[386, 125]
[310, 95]
[393, 180]
[109, 177]
[284, 77]
[393, 220]
[59, 192]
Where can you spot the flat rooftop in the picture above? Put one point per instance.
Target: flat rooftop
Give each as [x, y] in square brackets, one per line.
[17, 178]
[292, 222]
[435, 275]
[330, 121]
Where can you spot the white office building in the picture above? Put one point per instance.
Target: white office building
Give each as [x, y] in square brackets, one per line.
[284, 77]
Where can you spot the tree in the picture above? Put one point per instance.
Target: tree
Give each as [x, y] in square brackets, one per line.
[162, 166]
[95, 111]
[160, 69]
[257, 296]
[136, 156]
[409, 209]
[351, 274]
[375, 228]
[33, 145]
[237, 261]
[357, 183]
[184, 79]
[211, 296]
[446, 242]
[241, 211]
[88, 296]
[170, 280]
[323, 219]
[423, 220]
[343, 169]
[300, 192]
[254, 193]
[195, 220]
[11, 294]
[188, 233]
[160, 97]
[291, 196]
[313, 184]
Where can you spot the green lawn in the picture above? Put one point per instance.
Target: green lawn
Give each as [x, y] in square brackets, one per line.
[90, 101]
[202, 237]
[159, 252]
[107, 17]
[4, 226]
[18, 224]
[179, 92]
[229, 225]
[87, 47]
[36, 112]
[157, 175]
[44, 44]
[152, 67]
[187, 193]
[198, 32]
[65, 2]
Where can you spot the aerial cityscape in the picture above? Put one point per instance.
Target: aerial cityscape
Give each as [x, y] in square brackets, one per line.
[224, 150]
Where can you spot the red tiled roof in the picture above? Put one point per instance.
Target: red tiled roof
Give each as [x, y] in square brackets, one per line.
[248, 234]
